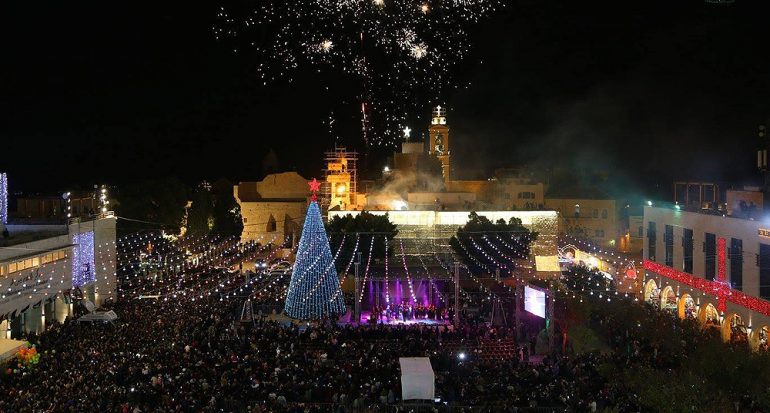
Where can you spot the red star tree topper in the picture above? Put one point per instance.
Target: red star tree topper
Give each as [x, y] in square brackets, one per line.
[314, 187]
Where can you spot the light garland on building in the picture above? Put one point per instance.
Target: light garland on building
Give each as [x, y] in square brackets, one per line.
[3, 198]
[83, 266]
[721, 290]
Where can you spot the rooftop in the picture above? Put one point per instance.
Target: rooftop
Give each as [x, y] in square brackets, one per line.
[21, 234]
[757, 215]
[576, 192]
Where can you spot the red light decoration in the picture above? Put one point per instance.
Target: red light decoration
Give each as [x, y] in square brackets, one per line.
[721, 259]
[720, 289]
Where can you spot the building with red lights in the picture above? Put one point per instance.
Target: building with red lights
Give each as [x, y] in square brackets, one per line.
[712, 267]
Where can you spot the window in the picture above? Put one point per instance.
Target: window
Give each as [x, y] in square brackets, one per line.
[507, 195]
[652, 238]
[668, 240]
[245, 220]
[687, 246]
[710, 255]
[526, 195]
[604, 214]
[599, 233]
[596, 213]
[12, 267]
[271, 225]
[577, 210]
[764, 271]
[641, 231]
[736, 263]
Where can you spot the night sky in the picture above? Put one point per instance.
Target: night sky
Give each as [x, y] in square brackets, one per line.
[649, 91]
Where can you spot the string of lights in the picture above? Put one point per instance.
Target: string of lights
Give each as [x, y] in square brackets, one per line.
[300, 302]
[406, 271]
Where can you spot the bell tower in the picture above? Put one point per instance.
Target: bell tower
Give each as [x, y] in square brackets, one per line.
[439, 139]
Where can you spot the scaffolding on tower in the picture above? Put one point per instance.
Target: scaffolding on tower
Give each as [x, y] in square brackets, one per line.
[340, 183]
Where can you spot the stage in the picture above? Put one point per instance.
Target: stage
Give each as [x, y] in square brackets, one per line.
[393, 321]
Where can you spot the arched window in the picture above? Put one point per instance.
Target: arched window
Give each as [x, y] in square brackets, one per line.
[604, 214]
[271, 225]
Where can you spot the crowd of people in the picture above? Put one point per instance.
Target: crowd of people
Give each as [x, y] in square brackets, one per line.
[197, 353]
[172, 356]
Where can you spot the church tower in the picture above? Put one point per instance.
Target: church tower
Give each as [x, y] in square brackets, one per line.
[439, 139]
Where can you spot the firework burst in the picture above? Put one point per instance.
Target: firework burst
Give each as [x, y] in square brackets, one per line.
[402, 54]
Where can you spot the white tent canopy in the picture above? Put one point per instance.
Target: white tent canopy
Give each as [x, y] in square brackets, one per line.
[417, 379]
[99, 317]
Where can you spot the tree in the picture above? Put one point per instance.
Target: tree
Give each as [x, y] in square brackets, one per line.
[314, 290]
[226, 211]
[502, 239]
[200, 218]
[158, 202]
[582, 278]
[365, 226]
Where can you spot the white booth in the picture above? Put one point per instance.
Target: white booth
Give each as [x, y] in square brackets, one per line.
[418, 382]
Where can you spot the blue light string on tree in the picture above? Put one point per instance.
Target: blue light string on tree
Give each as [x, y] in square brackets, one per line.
[314, 265]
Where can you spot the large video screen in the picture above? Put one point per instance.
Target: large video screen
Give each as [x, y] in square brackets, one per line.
[534, 301]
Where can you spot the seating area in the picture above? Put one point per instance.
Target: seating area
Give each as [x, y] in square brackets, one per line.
[486, 349]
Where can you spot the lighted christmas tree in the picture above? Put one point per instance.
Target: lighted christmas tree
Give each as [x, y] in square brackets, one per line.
[314, 289]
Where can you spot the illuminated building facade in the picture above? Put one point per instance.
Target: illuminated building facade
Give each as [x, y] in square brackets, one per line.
[38, 208]
[710, 267]
[41, 264]
[587, 218]
[439, 226]
[273, 209]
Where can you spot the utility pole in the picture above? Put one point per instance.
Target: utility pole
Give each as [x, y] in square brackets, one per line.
[517, 313]
[551, 300]
[457, 294]
[357, 298]
[762, 158]
[430, 290]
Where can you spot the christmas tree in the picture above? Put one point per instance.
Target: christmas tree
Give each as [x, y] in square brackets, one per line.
[314, 290]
